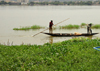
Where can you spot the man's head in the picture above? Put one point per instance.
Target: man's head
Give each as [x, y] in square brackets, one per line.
[51, 20]
[90, 24]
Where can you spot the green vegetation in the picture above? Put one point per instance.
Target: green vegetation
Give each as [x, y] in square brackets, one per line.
[36, 27]
[23, 28]
[54, 3]
[69, 27]
[83, 24]
[28, 28]
[9, 3]
[72, 55]
[65, 3]
[97, 26]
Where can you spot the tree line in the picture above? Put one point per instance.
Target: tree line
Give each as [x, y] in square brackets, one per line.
[66, 3]
[55, 3]
[9, 3]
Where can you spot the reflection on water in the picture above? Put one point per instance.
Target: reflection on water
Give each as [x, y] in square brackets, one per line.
[51, 38]
[90, 37]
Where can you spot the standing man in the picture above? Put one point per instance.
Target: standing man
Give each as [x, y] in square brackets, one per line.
[89, 31]
[50, 26]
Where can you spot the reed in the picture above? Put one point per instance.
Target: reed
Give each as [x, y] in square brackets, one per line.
[69, 27]
[97, 26]
[36, 27]
[22, 28]
[15, 28]
[28, 28]
[83, 24]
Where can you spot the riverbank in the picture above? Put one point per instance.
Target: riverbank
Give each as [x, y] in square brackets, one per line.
[75, 54]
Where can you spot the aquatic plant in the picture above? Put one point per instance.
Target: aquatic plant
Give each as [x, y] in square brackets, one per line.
[22, 28]
[83, 24]
[15, 29]
[97, 26]
[36, 27]
[71, 55]
[69, 27]
[28, 28]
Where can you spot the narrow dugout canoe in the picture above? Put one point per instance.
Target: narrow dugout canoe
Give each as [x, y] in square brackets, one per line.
[69, 34]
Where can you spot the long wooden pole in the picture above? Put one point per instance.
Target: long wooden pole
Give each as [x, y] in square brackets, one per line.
[48, 28]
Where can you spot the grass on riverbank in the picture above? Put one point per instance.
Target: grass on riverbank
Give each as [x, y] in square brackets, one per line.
[28, 28]
[71, 55]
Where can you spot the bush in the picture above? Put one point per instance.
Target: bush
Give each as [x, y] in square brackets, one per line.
[71, 55]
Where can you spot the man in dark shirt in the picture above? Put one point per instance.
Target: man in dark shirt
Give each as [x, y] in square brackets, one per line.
[89, 31]
[50, 26]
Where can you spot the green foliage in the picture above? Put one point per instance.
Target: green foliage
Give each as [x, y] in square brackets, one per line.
[83, 24]
[64, 3]
[89, 3]
[36, 27]
[96, 26]
[23, 28]
[55, 3]
[3, 2]
[72, 55]
[9, 3]
[70, 26]
[31, 3]
[28, 28]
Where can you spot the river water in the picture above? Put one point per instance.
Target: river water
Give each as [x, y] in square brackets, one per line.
[22, 16]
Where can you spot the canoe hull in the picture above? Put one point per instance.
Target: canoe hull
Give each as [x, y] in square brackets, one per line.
[69, 34]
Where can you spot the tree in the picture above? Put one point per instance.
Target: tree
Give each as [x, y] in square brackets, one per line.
[31, 3]
[3, 2]
[89, 3]
[9, 3]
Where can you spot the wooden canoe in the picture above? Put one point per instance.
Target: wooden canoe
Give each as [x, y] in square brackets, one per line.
[69, 34]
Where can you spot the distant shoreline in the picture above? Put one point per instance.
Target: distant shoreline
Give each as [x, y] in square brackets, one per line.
[55, 3]
[49, 5]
